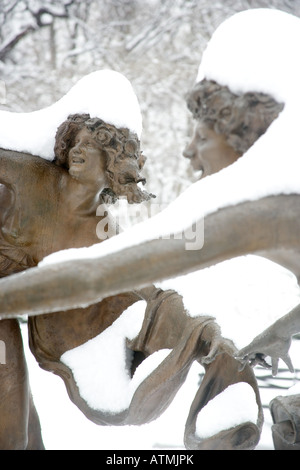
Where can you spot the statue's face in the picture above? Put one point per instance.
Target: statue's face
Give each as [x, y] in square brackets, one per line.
[86, 160]
[208, 151]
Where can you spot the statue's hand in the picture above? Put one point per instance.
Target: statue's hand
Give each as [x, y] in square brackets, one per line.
[269, 343]
[217, 344]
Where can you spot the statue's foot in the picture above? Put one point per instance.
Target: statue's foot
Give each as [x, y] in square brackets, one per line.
[241, 437]
[285, 413]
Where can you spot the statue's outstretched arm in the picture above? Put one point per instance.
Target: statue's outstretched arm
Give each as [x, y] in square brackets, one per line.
[81, 282]
[275, 342]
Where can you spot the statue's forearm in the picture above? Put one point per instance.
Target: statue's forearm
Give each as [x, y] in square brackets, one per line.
[289, 324]
[77, 283]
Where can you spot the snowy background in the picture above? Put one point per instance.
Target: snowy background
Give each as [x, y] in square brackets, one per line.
[157, 45]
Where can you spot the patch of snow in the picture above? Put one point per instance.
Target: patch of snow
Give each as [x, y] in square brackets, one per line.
[294, 390]
[255, 50]
[234, 406]
[245, 295]
[101, 365]
[105, 94]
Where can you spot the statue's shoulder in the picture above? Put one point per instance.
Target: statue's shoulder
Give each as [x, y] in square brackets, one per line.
[19, 156]
[27, 160]
[20, 166]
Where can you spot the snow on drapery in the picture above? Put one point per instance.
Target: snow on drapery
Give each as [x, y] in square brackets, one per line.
[101, 366]
[105, 94]
[235, 406]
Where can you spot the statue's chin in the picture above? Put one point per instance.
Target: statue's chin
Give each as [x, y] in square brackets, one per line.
[198, 174]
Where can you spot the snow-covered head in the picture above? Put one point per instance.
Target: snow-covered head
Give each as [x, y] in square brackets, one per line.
[255, 50]
[242, 119]
[249, 75]
[104, 94]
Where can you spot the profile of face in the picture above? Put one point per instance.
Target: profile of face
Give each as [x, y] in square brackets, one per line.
[86, 160]
[227, 124]
[208, 151]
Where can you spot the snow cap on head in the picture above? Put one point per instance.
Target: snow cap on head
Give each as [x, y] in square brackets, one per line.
[108, 95]
[105, 94]
[255, 50]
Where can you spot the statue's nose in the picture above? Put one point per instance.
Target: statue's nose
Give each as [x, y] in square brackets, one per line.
[189, 152]
[76, 149]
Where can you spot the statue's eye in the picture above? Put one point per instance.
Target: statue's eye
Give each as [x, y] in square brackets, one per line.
[225, 112]
[131, 147]
[200, 136]
[126, 179]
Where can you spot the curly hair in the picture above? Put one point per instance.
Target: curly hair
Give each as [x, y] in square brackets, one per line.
[120, 146]
[242, 119]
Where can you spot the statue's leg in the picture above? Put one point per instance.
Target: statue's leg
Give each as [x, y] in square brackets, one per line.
[285, 412]
[14, 388]
[35, 441]
[167, 324]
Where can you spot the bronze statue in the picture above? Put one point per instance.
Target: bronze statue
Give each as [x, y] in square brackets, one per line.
[48, 206]
[267, 225]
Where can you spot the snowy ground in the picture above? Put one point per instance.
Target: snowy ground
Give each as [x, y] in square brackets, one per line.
[243, 289]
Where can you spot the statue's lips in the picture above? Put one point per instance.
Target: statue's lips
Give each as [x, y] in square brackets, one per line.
[196, 165]
[77, 160]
